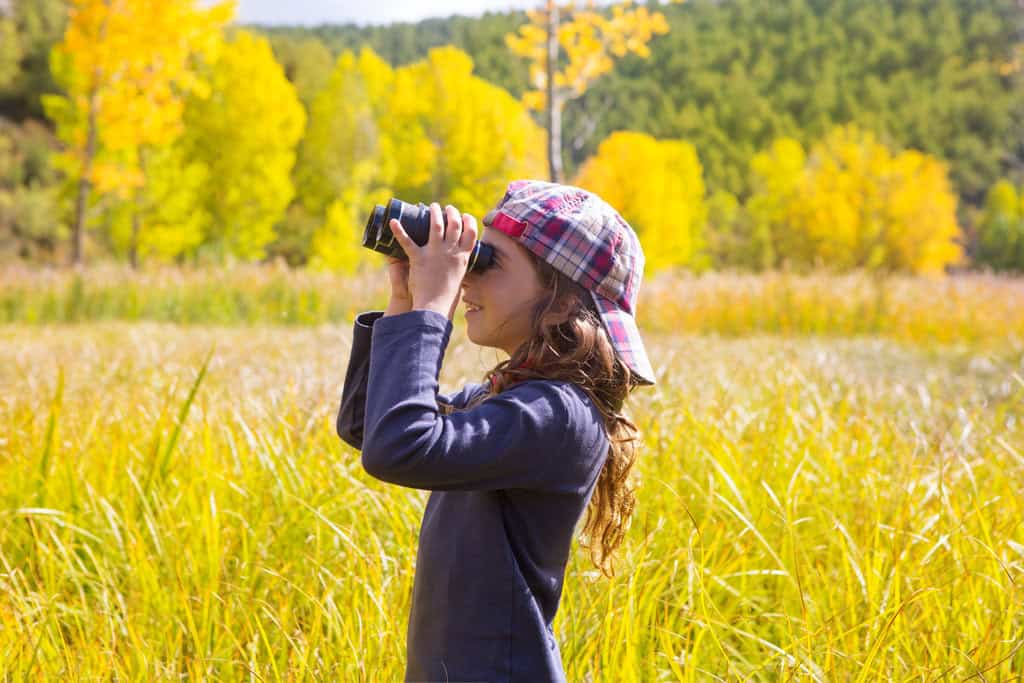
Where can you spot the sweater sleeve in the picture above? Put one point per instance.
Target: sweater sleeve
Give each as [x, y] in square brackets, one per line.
[351, 414]
[447, 403]
[353, 395]
[505, 442]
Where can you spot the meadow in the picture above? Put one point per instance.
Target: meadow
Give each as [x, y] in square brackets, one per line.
[831, 483]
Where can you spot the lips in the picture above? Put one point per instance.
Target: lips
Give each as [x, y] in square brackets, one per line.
[470, 306]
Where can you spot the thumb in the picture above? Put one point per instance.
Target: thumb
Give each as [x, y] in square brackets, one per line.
[403, 238]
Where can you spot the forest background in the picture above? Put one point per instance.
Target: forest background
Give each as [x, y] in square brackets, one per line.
[743, 135]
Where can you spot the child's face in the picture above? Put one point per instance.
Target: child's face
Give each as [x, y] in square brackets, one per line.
[506, 293]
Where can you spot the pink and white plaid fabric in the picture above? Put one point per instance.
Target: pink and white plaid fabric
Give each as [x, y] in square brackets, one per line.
[583, 237]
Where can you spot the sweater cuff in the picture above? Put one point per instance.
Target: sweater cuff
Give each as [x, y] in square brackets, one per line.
[409, 324]
[362, 328]
[403, 322]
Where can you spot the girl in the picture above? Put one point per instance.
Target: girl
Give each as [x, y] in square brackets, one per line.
[510, 463]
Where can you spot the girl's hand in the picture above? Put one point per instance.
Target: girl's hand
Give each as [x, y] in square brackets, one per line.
[436, 269]
[401, 297]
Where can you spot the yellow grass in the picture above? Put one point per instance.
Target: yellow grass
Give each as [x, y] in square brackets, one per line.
[984, 311]
[810, 508]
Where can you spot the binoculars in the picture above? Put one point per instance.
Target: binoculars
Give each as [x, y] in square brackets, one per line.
[415, 220]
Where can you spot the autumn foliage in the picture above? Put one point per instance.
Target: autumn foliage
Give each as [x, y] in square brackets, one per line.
[428, 131]
[852, 203]
[658, 187]
[182, 143]
[244, 134]
[127, 67]
[590, 40]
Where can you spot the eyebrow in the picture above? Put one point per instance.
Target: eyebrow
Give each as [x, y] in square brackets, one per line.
[497, 251]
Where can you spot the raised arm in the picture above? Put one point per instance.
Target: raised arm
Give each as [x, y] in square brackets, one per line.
[353, 396]
[352, 413]
[537, 434]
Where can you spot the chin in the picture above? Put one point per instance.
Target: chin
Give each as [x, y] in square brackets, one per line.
[479, 339]
[472, 336]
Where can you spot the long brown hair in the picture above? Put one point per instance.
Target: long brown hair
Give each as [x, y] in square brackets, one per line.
[569, 343]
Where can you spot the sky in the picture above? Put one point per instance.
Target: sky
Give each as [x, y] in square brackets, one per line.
[312, 12]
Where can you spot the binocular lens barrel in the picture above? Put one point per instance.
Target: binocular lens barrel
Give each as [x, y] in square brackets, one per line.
[415, 219]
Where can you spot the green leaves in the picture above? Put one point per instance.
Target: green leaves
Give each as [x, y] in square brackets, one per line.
[1001, 228]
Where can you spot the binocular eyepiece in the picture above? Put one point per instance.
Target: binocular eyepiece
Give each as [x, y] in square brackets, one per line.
[415, 219]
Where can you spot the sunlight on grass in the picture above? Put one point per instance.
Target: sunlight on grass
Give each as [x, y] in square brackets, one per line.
[844, 509]
[981, 310]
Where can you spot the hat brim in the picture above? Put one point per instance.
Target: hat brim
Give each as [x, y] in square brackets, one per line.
[625, 336]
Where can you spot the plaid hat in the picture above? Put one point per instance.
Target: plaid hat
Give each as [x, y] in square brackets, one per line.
[583, 237]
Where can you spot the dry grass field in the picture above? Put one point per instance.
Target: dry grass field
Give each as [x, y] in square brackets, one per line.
[824, 495]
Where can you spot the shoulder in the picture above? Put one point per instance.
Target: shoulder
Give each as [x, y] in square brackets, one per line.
[562, 405]
[569, 405]
[578, 426]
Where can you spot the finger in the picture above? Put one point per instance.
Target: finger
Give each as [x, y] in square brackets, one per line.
[454, 232]
[469, 232]
[402, 237]
[436, 223]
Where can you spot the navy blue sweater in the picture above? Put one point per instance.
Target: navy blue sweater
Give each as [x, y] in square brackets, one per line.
[509, 480]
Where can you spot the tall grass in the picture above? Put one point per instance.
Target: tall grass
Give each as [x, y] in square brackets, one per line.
[175, 504]
[980, 310]
[230, 296]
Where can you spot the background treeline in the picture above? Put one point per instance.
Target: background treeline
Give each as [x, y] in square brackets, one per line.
[757, 135]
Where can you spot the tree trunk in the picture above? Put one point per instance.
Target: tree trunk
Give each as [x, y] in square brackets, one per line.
[84, 185]
[553, 105]
[133, 247]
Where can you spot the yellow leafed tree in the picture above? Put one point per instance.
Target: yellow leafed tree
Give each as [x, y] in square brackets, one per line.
[850, 203]
[589, 40]
[428, 131]
[167, 219]
[779, 174]
[245, 132]
[480, 136]
[126, 66]
[351, 154]
[350, 137]
[658, 187]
